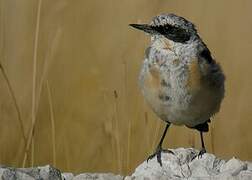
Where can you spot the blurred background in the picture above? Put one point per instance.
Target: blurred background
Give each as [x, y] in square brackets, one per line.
[68, 82]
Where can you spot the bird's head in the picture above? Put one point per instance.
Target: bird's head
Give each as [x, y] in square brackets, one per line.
[169, 27]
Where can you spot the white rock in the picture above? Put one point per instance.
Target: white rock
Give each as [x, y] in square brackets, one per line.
[43, 172]
[98, 176]
[185, 164]
[67, 176]
[234, 166]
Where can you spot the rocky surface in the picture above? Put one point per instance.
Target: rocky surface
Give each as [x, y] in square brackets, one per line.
[44, 172]
[50, 173]
[184, 164]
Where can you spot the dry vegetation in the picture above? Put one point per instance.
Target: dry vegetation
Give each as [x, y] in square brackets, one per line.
[68, 82]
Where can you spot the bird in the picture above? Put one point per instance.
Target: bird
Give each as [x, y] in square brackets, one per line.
[179, 79]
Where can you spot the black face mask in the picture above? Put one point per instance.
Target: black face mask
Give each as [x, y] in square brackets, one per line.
[173, 33]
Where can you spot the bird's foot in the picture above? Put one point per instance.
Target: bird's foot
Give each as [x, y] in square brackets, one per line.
[202, 151]
[157, 153]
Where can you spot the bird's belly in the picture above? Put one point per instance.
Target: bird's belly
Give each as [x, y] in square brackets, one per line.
[183, 109]
[180, 100]
[192, 109]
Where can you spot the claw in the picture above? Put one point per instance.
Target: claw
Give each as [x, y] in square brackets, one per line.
[202, 151]
[158, 154]
[151, 157]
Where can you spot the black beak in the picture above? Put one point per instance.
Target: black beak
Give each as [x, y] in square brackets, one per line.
[144, 27]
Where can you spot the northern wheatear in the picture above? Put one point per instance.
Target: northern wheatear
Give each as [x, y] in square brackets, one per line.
[179, 79]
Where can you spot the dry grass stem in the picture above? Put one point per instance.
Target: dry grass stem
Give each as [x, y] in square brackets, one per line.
[14, 100]
[117, 132]
[49, 56]
[191, 138]
[126, 115]
[34, 77]
[110, 118]
[52, 121]
[48, 59]
[212, 138]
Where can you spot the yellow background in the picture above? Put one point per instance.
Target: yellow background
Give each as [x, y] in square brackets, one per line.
[73, 68]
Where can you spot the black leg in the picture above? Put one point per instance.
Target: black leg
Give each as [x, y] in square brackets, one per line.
[202, 140]
[163, 136]
[203, 149]
[159, 148]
